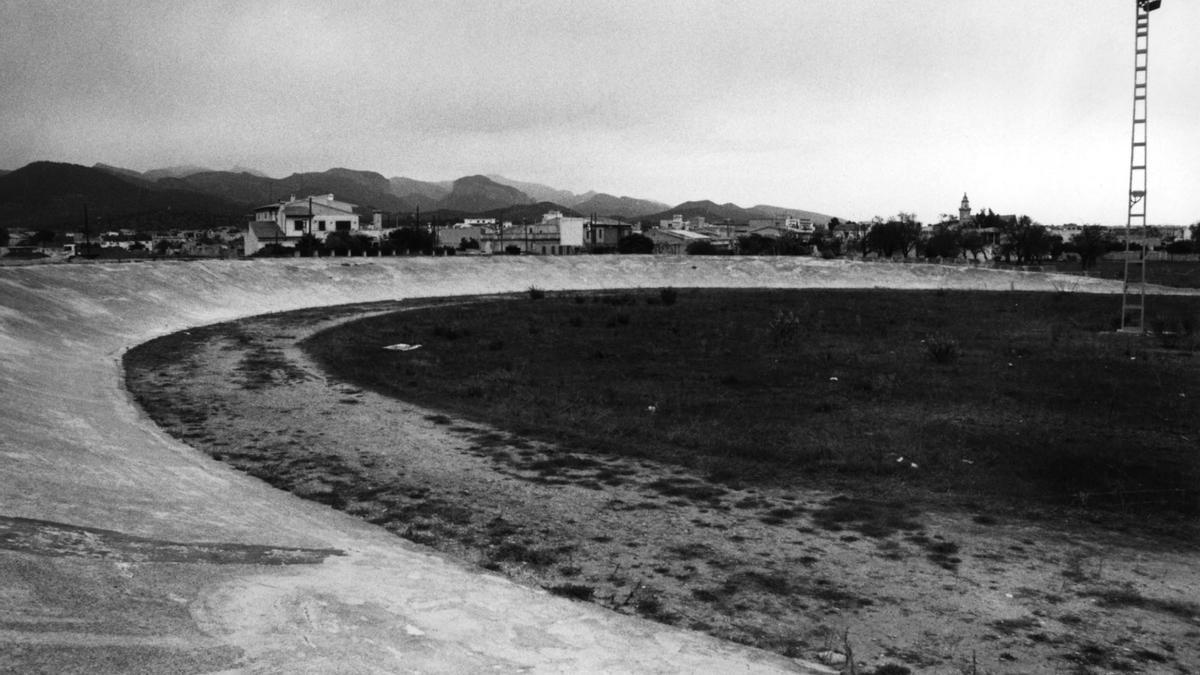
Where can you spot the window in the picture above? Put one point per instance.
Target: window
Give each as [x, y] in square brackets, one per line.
[321, 225]
[343, 226]
[298, 225]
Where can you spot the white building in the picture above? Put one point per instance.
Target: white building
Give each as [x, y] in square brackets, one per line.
[285, 222]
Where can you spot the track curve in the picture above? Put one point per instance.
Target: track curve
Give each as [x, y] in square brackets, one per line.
[123, 549]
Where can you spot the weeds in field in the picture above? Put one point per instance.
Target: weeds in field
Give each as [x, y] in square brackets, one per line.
[807, 406]
[668, 296]
[1127, 596]
[942, 348]
[581, 592]
[784, 328]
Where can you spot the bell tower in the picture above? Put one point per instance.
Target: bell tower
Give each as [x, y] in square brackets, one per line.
[964, 211]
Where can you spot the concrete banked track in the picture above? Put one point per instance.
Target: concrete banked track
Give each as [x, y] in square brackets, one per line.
[122, 549]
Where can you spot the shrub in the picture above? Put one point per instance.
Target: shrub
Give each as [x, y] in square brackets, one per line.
[942, 348]
[784, 327]
[635, 243]
[574, 591]
[536, 293]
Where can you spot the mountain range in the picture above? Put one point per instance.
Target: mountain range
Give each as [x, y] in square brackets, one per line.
[52, 195]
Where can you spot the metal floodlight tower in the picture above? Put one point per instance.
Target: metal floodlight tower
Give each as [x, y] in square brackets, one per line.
[1133, 297]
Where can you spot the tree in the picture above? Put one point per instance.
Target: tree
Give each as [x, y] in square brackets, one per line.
[971, 241]
[1090, 244]
[1027, 240]
[3, 236]
[701, 247]
[308, 244]
[349, 243]
[756, 244]
[1180, 247]
[898, 235]
[945, 242]
[412, 240]
[635, 243]
[363, 244]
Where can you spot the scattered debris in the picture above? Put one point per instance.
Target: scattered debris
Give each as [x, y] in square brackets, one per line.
[402, 347]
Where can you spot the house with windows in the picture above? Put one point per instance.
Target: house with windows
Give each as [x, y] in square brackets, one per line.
[674, 241]
[601, 235]
[285, 222]
[556, 234]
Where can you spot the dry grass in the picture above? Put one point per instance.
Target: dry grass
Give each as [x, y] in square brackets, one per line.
[991, 396]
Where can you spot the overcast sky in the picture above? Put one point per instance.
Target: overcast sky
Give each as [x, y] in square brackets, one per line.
[855, 109]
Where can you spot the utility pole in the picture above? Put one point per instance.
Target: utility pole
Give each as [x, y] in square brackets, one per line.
[1133, 296]
[87, 233]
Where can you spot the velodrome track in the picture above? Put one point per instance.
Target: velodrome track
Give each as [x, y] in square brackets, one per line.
[122, 549]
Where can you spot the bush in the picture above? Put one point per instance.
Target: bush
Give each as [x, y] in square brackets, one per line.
[784, 327]
[536, 293]
[635, 243]
[574, 591]
[942, 348]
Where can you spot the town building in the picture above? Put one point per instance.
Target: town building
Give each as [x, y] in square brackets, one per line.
[285, 222]
[678, 222]
[804, 226]
[603, 234]
[674, 241]
[555, 235]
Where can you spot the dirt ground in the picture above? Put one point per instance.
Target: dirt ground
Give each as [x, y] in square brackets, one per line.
[805, 572]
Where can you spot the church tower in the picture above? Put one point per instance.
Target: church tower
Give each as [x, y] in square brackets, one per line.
[964, 211]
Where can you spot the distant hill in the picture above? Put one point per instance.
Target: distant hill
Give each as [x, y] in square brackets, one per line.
[252, 172]
[781, 211]
[618, 207]
[118, 171]
[710, 211]
[52, 195]
[718, 213]
[480, 193]
[529, 213]
[174, 172]
[419, 193]
[243, 188]
[542, 193]
[366, 189]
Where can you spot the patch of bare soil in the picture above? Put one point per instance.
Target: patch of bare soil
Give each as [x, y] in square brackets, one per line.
[865, 585]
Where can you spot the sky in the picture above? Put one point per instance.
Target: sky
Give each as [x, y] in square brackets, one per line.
[855, 109]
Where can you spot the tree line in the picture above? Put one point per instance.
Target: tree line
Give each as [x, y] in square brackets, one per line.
[1013, 239]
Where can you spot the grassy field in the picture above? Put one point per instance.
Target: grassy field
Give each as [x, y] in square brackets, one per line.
[1175, 273]
[1022, 400]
